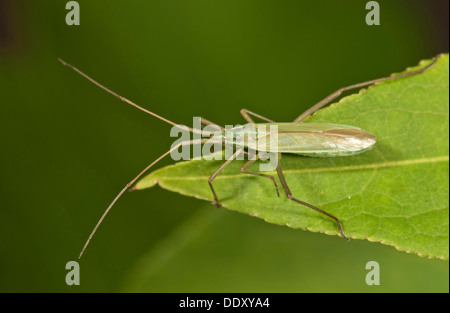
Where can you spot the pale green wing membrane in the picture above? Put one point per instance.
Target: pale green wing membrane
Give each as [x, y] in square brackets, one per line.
[312, 139]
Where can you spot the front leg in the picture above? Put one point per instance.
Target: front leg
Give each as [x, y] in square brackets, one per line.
[204, 121]
[221, 168]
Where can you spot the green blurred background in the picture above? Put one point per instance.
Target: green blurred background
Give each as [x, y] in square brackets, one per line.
[68, 147]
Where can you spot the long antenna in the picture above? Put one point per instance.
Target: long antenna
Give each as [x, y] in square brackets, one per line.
[184, 143]
[192, 142]
[192, 130]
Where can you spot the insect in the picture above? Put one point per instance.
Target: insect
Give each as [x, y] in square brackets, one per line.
[305, 139]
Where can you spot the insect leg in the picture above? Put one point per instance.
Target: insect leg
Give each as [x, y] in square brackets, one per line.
[221, 168]
[246, 114]
[338, 92]
[288, 193]
[250, 162]
[204, 121]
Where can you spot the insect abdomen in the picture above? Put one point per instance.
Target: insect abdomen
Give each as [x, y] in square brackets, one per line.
[315, 139]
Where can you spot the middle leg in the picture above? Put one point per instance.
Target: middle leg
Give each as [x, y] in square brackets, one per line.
[246, 114]
[250, 162]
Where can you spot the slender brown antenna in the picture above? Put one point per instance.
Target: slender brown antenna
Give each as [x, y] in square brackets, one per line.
[192, 142]
[192, 130]
[184, 143]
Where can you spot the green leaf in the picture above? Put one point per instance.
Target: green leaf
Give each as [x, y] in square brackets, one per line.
[216, 251]
[396, 194]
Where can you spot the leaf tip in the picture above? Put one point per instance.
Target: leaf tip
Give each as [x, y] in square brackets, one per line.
[147, 182]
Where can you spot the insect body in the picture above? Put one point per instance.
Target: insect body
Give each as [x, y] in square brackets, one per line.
[309, 139]
[306, 139]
